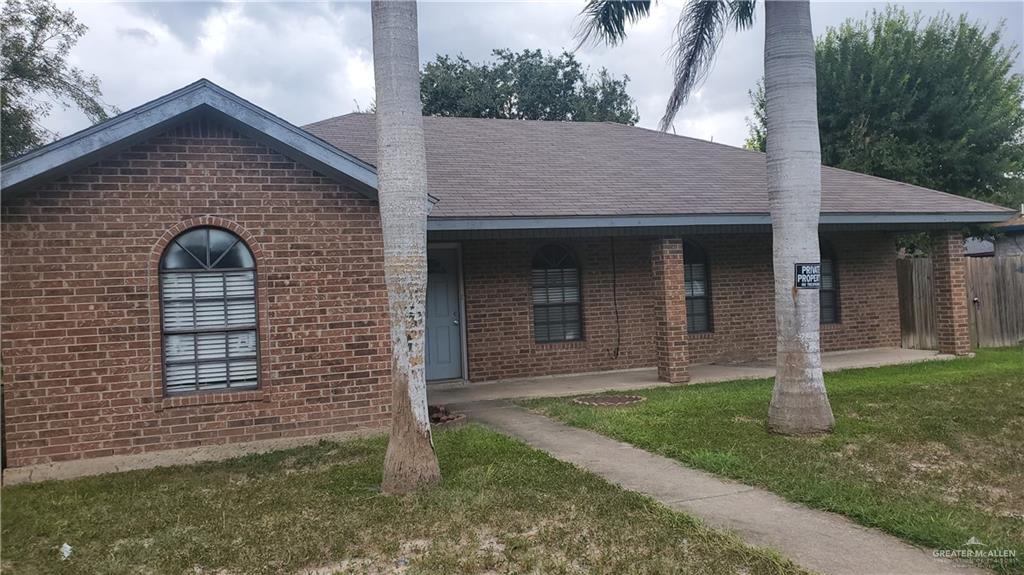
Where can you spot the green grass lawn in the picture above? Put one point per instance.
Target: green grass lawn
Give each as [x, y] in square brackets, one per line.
[502, 507]
[931, 452]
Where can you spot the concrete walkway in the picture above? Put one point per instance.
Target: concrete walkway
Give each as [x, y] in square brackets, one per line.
[563, 385]
[817, 540]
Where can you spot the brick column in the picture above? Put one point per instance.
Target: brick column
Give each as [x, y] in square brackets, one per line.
[949, 274]
[670, 309]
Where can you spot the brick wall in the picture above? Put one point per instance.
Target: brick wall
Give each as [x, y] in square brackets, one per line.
[949, 273]
[80, 309]
[743, 308]
[868, 293]
[499, 313]
[742, 299]
[668, 297]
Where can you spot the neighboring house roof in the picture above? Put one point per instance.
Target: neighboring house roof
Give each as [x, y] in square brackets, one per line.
[516, 173]
[1013, 225]
[202, 98]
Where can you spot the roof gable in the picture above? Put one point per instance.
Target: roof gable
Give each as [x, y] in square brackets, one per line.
[202, 98]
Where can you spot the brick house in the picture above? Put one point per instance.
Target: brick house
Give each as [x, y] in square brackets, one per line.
[197, 271]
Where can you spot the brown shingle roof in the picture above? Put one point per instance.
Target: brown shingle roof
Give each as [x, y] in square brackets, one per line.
[514, 168]
[1012, 224]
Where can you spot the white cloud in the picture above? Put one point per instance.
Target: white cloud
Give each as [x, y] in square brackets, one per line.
[303, 62]
[306, 61]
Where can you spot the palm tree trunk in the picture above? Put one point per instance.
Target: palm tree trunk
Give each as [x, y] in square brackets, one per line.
[402, 178]
[799, 402]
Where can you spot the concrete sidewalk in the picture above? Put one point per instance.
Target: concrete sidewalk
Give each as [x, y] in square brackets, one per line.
[576, 384]
[817, 540]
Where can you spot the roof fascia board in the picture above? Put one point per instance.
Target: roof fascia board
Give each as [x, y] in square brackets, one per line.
[683, 220]
[569, 222]
[69, 159]
[915, 218]
[200, 97]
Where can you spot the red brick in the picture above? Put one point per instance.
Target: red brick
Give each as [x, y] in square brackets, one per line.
[949, 273]
[499, 315]
[80, 307]
[83, 320]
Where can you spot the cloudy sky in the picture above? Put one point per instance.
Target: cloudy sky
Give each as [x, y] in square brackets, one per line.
[306, 61]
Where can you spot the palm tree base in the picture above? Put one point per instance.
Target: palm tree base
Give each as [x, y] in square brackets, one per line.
[800, 414]
[410, 464]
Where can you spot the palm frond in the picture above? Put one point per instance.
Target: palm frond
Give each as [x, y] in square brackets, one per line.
[741, 13]
[605, 21]
[698, 33]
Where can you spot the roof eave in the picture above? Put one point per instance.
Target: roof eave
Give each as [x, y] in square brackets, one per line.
[200, 98]
[702, 220]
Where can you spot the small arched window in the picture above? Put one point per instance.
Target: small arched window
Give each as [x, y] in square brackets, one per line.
[698, 288]
[829, 292]
[556, 295]
[209, 318]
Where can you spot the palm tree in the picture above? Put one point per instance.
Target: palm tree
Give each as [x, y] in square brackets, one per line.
[402, 182]
[799, 401]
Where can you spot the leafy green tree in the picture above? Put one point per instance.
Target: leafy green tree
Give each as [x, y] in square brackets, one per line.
[929, 103]
[37, 37]
[525, 85]
[758, 136]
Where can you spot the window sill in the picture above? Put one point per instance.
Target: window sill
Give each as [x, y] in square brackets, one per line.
[700, 335]
[830, 326]
[210, 398]
[570, 344]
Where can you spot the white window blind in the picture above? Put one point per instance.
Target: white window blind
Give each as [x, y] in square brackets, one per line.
[698, 289]
[209, 313]
[555, 280]
[828, 294]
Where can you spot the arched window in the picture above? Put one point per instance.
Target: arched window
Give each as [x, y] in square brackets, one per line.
[208, 303]
[556, 295]
[829, 292]
[698, 288]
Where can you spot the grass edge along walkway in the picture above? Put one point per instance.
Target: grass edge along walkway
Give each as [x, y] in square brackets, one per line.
[928, 452]
[823, 542]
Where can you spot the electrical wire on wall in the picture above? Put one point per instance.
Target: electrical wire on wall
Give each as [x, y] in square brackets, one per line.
[615, 301]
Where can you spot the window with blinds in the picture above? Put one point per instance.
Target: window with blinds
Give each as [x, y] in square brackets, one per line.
[698, 288]
[555, 281]
[209, 316]
[829, 293]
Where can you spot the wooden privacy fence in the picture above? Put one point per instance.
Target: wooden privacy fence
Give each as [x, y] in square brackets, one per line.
[995, 299]
[917, 303]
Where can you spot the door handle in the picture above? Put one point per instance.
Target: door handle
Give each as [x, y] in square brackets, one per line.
[455, 322]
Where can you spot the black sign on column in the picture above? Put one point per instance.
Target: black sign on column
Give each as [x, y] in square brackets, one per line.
[808, 276]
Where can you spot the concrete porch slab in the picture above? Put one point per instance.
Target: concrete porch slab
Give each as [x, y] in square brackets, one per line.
[581, 383]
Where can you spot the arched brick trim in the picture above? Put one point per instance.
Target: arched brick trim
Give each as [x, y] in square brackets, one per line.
[204, 221]
[159, 398]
